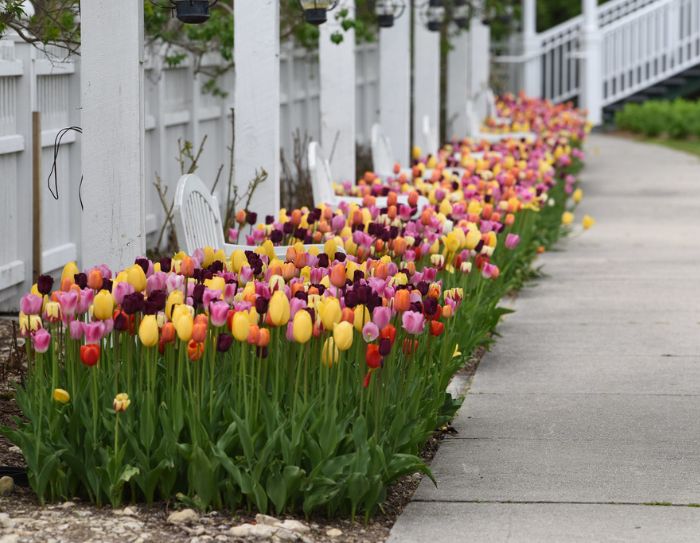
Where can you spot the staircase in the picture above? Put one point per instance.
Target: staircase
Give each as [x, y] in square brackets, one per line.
[649, 49]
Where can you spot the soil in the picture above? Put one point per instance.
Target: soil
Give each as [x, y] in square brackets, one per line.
[74, 522]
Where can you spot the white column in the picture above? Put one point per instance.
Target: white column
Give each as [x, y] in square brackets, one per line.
[592, 80]
[337, 74]
[426, 84]
[479, 64]
[395, 85]
[532, 69]
[457, 86]
[113, 191]
[257, 100]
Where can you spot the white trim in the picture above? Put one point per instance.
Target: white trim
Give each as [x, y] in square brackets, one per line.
[11, 274]
[57, 257]
[11, 144]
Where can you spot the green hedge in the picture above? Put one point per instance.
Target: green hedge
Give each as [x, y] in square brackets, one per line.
[675, 119]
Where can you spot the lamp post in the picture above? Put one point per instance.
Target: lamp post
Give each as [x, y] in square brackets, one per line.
[433, 14]
[387, 11]
[460, 14]
[315, 11]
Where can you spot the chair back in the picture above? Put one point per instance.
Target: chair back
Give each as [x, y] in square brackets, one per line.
[473, 124]
[198, 221]
[382, 154]
[321, 177]
[430, 139]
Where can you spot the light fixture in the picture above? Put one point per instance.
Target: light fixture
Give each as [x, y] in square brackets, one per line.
[388, 11]
[433, 14]
[315, 10]
[460, 14]
[193, 11]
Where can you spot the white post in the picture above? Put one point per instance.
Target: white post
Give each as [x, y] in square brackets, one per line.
[532, 68]
[426, 84]
[337, 74]
[113, 191]
[457, 86]
[592, 80]
[257, 100]
[479, 64]
[395, 86]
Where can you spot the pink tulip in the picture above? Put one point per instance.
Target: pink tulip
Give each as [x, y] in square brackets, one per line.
[295, 305]
[370, 332]
[76, 330]
[85, 300]
[30, 304]
[413, 322]
[381, 316]
[218, 312]
[120, 290]
[512, 241]
[68, 302]
[94, 331]
[210, 295]
[41, 340]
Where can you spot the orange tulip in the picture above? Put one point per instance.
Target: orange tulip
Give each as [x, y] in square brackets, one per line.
[402, 300]
[338, 275]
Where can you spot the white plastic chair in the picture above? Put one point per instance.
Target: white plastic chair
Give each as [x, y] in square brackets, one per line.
[198, 221]
[322, 184]
[474, 129]
[383, 155]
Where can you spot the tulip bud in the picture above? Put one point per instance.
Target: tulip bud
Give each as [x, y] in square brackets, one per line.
[136, 277]
[302, 327]
[330, 312]
[240, 326]
[279, 310]
[330, 354]
[343, 335]
[61, 396]
[184, 325]
[121, 402]
[148, 331]
[103, 305]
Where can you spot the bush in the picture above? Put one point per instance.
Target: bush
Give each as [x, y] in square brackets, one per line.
[677, 119]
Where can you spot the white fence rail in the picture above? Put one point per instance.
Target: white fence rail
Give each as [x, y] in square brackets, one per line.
[176, 108]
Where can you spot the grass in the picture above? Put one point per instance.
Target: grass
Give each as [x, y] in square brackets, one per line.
[687, 146]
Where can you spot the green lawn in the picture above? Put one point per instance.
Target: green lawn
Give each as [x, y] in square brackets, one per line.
[687, 146]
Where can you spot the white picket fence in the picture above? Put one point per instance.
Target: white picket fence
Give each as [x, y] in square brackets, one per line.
[176, 108]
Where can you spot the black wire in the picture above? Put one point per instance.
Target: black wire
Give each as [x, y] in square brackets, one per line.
[54, 170]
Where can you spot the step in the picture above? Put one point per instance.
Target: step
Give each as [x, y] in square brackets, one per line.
[676, 81]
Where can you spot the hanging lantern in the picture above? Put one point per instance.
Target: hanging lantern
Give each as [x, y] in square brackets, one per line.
[388, 11]
[315, 10]
[193, 11]
[434, 15]
[460, 14]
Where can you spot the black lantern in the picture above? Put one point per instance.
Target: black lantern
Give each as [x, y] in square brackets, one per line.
[315, 10]
[193, 11]
[433, 14]
[388, 11]
[460, 14]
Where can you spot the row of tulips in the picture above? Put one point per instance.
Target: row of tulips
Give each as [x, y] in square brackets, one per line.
[305, 383]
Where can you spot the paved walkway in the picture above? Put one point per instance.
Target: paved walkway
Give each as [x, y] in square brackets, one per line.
[587, 411]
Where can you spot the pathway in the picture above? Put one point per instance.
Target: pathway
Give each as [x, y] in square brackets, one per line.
[587, 410]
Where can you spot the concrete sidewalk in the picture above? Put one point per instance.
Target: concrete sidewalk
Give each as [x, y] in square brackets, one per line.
[585, 417]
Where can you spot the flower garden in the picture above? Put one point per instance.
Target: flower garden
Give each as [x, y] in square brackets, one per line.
[304, 384]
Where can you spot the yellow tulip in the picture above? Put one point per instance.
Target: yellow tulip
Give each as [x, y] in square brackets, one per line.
[362, 317]
[330, 312]
[577, 196]
[472, 239]
[121, 402]
[103, 305]
[279, 309]
[588, 221]
[69, 271]
[183, 324]
[240, 326]
[136, 277]
[343, 335]
[302, 327]
[238, 260]
[176, 297]
[148, 331]
[53, 310]
[330, 355]
[567, 218]
[330, 248]
[61, 396]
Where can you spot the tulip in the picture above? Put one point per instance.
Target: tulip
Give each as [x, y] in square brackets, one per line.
[103, 305]
[183, 326]
[61, 396]
[223, 342]
[89, 354]
[44, 284]
[279, 310]
[41, 340]
[402, 300]
[148, 331]
[370, 332]
[168, 332]
[263, 338]
[372, 356]
[388, 332]
[302, 327]
[436, 328]
[195, 350]
[413, 322]
[94, 331]
[136, 277]
[52, 311]
[338, 275]
[218, 312]
[330, 354]
[512, 241]
[31, 304]
[381, 316]
[343, 335]
[199, 331]
[329, 312]
[361, 316]
[588, 222]
[70, 270]
[240, 326]
[76, 330]
[567, 218]
[121, 402]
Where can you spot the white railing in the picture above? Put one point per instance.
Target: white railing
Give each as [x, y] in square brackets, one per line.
[643, 43]
[176, 108]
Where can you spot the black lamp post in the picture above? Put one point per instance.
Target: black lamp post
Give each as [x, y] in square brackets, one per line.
[433, 14]
[193, 11]
[315, 10]
[388, 11]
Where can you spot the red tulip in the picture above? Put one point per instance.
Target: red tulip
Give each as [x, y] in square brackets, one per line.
[89, 354]
[373, 357]
[436, 328]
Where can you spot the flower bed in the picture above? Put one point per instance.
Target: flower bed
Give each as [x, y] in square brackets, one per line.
[308, 384]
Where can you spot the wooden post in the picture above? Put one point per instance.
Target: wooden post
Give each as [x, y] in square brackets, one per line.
[337, 74]
[113, 191]
[426, 84]
[479, 63]
[457, 86]
[36, 194]
[257, 100]
[532, 76]
[395, 85]
[592, 80]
